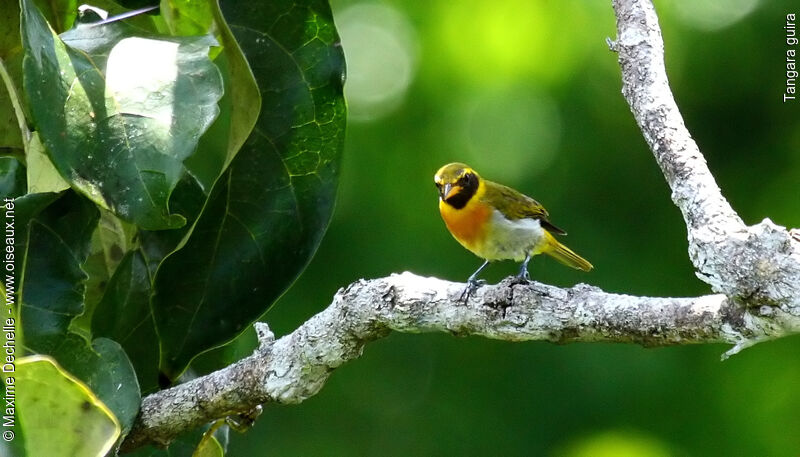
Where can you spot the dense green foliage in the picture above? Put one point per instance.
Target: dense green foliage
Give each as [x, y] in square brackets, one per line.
[165, 192]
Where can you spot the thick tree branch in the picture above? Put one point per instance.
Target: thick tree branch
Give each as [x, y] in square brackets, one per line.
[296, 366]
[758, 264]
[756, 271]
[646, 88]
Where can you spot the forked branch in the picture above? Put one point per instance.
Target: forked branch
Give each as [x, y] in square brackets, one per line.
[754, 270]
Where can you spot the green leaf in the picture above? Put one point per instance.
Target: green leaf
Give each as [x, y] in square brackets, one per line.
[209, 447]
[131, 108]
[187, 17]
[230, 130]
[267, 213]
[52, 238]
[9, 20]
[210, 158]
[59, 414]
[61, 14]
[12, 177]
[241, 347]
[105, 368]
[110, 241]
[53, 234]
[42, 174]
[187, 199]
[11, 65]
[124, 316]
[219, 145]
[187, 444]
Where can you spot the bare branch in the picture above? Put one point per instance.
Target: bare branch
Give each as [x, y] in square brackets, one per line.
[296, 366]
[646, 88]
[759, 264]
[755, 269]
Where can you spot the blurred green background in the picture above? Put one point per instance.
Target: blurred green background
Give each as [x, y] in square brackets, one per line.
[528, 93]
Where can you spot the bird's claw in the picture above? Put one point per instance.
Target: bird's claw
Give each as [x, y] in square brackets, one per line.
[472, 286]
[522, 278]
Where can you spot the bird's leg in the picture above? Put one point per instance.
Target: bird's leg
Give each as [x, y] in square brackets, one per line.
[523, 269]
[473, 283]
[473, 279]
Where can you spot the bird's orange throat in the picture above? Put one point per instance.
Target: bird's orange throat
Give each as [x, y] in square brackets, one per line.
[468, 224]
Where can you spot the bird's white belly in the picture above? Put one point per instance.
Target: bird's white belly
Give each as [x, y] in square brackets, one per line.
[513, 240]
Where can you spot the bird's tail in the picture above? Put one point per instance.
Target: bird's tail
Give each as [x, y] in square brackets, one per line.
[565, 255]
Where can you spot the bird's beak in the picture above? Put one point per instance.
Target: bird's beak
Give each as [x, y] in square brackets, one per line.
[449, 190]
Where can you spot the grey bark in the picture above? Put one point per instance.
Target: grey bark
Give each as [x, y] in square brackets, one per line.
[755, 272]
[758, 264]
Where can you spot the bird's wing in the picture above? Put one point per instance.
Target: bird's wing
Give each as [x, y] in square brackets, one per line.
[515, 205]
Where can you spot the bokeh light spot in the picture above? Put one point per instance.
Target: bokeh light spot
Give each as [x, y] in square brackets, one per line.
[513, 40]
[713, 14]
[616, 443]
[509, 134]
[381, 51]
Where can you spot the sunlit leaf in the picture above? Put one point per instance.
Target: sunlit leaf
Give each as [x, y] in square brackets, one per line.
[59, 414]
[134, 108]
[231, 128]
[42, 174]
[209, 445]
[105, 368]
[187, 17]
[187, 444]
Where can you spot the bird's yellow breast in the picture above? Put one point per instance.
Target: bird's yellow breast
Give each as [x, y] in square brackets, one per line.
[470, 224]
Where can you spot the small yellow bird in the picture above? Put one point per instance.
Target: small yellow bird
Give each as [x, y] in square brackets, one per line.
[496, 222]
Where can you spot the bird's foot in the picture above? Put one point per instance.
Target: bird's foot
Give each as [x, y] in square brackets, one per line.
[522, 278]
[472, 286]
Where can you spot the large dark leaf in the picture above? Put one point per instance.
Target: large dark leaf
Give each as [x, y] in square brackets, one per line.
[267, 213]
[53, 235]
[219, 145]
[52, 242]
[124, 316]
[130, 109]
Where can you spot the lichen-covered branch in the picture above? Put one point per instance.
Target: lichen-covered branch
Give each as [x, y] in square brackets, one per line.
[296, 366]
[754, 269]
[758, 264]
